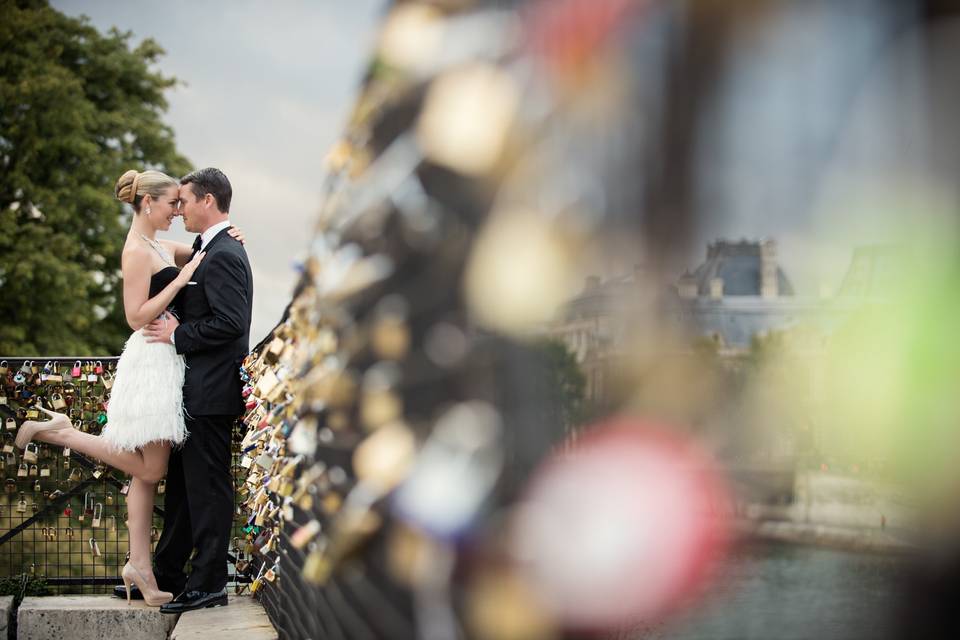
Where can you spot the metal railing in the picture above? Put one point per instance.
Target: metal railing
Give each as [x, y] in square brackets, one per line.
[62, 514]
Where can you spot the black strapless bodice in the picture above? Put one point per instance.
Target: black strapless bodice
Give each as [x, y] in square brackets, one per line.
[160, 280]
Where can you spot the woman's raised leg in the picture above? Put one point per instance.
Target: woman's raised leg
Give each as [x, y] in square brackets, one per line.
[149, 468]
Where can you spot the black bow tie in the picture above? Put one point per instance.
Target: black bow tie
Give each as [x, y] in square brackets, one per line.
[197, 243]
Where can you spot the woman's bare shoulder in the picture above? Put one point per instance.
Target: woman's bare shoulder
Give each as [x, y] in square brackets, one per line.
[134, 255]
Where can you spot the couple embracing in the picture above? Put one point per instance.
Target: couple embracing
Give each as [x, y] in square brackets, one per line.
[177, 391]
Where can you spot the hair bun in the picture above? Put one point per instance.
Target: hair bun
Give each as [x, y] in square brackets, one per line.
[126, 189]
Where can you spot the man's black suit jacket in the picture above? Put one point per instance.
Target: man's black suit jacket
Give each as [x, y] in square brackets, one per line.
[214, 333]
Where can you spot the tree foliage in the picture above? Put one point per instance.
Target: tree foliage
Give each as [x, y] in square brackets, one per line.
[566, 384]
[77, 108]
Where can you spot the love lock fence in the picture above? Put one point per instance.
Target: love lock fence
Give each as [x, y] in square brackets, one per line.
[62, 513]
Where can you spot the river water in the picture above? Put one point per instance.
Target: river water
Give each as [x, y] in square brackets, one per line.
[768, 591]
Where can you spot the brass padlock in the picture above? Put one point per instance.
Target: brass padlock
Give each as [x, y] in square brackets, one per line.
[57, 401]
[31, 453]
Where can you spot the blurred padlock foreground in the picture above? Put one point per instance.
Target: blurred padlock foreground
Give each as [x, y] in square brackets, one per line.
[760, 199]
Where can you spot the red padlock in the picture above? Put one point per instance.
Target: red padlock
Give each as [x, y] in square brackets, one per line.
[251, 404]
[99, 368]
[247, 391]
[76, 372]
[68, 511]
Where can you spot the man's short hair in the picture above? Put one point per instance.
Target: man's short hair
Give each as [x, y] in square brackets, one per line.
[212, 181]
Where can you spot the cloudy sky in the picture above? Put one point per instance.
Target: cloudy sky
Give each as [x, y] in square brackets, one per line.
[820, 152]
[266, 88]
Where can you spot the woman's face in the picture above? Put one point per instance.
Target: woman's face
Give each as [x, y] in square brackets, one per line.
[163, 209]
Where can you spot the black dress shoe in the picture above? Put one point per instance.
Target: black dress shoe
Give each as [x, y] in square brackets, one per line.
[191, 600]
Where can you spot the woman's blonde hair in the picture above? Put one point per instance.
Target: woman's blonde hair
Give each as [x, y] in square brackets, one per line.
[133, 185]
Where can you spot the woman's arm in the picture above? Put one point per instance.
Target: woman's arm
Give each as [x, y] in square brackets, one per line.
[136, 267]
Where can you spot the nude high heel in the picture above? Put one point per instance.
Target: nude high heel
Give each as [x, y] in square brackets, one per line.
[151, 596]
[30, 428]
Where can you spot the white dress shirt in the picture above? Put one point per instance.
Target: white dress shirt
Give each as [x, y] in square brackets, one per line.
[209, 234]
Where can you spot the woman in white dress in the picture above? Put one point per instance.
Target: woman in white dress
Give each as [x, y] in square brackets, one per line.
[145, 412]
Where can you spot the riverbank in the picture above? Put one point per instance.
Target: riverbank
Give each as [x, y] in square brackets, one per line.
[858, 539]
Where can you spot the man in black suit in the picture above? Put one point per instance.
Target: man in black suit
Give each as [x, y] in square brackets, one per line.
[213, 334]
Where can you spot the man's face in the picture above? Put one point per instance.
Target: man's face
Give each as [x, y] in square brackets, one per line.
[191, 210]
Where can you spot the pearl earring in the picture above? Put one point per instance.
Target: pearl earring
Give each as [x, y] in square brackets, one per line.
[148, 210]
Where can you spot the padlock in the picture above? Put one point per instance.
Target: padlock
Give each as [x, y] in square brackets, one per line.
[98, 368]
[76, 371]
[53, 373]
[97, 515]
[271, 574]
[23, 470]
[162, 486]
[57, 401]
[30, 453]
[125, 488]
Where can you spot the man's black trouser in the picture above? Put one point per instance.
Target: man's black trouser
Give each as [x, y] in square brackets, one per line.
[198, 509]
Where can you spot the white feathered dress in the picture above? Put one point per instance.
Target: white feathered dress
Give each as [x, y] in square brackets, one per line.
[146, 401]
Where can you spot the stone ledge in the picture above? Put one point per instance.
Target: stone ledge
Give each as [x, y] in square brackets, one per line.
[6, 608]
[243, 617]
[90, 618]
